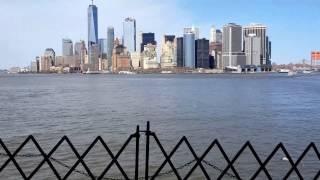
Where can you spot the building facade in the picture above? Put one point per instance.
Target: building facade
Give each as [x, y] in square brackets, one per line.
[129, 34]
[110, 44]
[168, 56]
[149, 57]
[93, 47]
[315, 59]
[179, 51]
[67, 47]
[255, 44]
[102, 48]
[202, 54]
[189, 50]
[136, 60]
[147, 38]
[120, 59]
[232, 54]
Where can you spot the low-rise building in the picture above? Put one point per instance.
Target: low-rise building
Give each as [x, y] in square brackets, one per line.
[120, 59]
[136, 60]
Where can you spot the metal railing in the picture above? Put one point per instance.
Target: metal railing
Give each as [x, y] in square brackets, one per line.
[197, 162]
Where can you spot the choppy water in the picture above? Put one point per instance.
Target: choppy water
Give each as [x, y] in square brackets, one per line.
[264, 109]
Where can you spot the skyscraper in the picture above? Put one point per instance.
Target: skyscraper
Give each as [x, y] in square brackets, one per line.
[67, 47]
[232, 54]
[179, 51]
[80, 51]
[147, 38]
[202, 53]
[102, 48]
[139, 42]
[255, 44]
[110, 44]
[93, 35]
[168, 58]
[189, 50]
[193, 30]
[129, 34]
[213, 36]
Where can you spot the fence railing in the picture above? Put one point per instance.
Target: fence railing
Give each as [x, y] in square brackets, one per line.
[197, 162]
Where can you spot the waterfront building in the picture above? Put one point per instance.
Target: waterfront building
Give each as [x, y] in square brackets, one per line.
[51, 55]
[147, 38]
[189, 50]
[315, 58]
[136, 60]
[168, 56]
[129, 34]
[149, 57]
[120, 59]
[232, 54]
[215, 35]
[45, 64]
[93, 48]
[34, 67]
[255, 44]
[202, 54]
[110, 44]
[179, 51]
[67, 47]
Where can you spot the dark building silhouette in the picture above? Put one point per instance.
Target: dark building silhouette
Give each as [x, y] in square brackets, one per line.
[202, 54]
[179, 46]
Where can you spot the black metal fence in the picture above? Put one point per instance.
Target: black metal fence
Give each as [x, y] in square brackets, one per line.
[197, 162]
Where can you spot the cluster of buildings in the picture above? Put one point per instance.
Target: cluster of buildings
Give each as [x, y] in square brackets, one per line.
[232, 48]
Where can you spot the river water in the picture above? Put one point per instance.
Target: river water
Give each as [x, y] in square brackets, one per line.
[264, 109]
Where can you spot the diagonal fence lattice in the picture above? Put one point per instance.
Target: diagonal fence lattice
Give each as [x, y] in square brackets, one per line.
[197, 162]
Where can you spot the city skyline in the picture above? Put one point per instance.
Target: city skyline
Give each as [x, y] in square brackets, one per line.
[47, 35]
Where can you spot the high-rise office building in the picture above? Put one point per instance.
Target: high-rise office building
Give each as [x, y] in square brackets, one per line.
[179, 51]
[80, 51]
[102, 48]
[213, 36]
[67, 47]
[93, 37]
[189, 50]
[194, 30]
[202, 54]
[149, 57]
[168, 56]
[256, 44]
[139, 42]
[147, 38]
[232, 54]
[110, 44]
[129, 34]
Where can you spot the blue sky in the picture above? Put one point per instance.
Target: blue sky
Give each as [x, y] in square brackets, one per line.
[30, 26]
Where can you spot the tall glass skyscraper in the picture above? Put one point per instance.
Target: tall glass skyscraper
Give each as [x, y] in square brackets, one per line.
[110, 44]
[129, 34]
[189, 50]
[92, 33]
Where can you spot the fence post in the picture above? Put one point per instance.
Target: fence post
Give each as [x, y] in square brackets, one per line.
[136, 174]
[147, 150]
